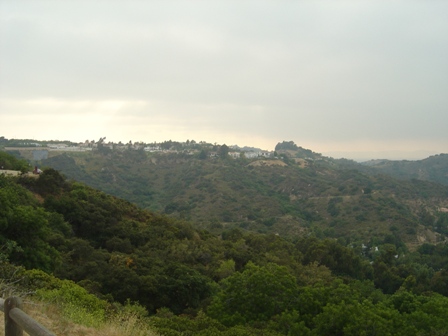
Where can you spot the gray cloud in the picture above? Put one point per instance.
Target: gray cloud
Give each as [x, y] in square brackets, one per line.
[314, 72]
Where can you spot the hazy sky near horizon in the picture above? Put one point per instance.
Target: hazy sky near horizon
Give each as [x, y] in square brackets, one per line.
[355, 79]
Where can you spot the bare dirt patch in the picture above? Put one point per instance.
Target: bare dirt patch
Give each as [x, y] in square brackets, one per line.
[261, 163]
[10, 172]
[16, 173]
[302, 163]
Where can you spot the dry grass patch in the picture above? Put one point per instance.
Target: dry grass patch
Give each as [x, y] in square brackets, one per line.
[50, 316]
[260, 163]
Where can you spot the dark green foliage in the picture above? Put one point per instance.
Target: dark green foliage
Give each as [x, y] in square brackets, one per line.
[332, 207]
[202, 154]
[235, 282]
[432, 168]
[313, 194]
[256, 294]
[223, 151]
[341, 260]
[180, 287]
[10, 162]
[441, 224]
[286, 145]
[29, 227]
[49, 182]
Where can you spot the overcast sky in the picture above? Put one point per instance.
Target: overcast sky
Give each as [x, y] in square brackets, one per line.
[355, 79]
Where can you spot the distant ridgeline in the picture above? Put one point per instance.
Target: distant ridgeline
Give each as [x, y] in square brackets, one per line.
[433, 168]
[291, 192]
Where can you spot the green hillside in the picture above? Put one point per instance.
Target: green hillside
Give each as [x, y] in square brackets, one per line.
[295, 192]
[433, 168]
[192, 282]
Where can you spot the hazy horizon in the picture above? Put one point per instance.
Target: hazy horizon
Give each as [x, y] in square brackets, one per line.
[360, 80]
[356, 156]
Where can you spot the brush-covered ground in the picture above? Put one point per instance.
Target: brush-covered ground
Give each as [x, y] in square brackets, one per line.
[289, 195]
[99, 260]
[65, 308]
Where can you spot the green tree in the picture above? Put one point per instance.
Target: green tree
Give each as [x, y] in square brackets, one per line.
[223, 151]
[51, 182]
[289, 323]
[179, 287]
[8, 161]
[225, 269]
[202, 154]
[356, 319]
[30, 228]
[256, 294]
[286, 145]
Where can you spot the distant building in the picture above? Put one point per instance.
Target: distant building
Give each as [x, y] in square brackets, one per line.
[152, 149]
[251, 155]
[265, 154]
[57, 146]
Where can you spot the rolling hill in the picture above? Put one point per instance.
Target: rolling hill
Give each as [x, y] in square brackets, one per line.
[100, 257]
[294, 193]
[433, 168]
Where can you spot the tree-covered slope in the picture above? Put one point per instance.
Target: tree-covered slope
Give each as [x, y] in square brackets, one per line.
[195, 283]
[288, 196]
[433, 168]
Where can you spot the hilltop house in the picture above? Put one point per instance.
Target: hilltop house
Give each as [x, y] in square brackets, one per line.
[152, 149]
[251, 155]
[234, 155]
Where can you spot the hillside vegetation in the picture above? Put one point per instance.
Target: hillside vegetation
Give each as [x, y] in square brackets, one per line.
[434, 168]
[294, 193]
[111, 257]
